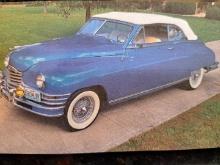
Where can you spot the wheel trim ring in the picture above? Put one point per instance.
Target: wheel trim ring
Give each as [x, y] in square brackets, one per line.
[195, 83]
[82, 125]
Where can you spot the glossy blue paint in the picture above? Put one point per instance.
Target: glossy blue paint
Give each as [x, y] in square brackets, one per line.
[76, 62]
[163, 63]
[61, 49]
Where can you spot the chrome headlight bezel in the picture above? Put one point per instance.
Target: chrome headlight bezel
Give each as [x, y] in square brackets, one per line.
[40, 81]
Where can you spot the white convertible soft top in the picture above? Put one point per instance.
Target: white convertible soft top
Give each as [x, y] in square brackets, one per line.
[144, 19]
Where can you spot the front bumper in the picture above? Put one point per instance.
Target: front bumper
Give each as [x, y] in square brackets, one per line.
[50, 106]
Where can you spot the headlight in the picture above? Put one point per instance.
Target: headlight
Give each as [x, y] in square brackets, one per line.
[6, 61]
[40, 81]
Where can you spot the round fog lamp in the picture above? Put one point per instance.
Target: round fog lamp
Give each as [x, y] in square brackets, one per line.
[19, 92]
[40, 81]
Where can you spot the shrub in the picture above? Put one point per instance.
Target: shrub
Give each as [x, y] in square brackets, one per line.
[180, 8]
[217, 4]
[213, 13]
[34, 4]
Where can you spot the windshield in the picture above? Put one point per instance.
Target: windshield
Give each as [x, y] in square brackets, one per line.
[92, 26]
[113, 31]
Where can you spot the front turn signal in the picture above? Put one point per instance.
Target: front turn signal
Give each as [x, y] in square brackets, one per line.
[19, 91]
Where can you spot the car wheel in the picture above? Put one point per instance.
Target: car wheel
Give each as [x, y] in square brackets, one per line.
[81, 110]
[196, 78]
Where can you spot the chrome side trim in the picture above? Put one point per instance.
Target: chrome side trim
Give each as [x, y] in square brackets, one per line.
[145, 92]
[38, 105]
[49, 95]
[51, 103]
[52, 99]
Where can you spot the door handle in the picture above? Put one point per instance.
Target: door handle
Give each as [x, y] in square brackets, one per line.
[131, 58]
[124, 57]
[170, 48]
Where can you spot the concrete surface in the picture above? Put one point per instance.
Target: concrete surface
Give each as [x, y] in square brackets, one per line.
[23, 132]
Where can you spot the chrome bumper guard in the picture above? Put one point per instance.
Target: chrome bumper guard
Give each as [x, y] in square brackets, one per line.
[8, 94]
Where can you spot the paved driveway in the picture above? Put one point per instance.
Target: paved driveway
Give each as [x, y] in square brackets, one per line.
[23, 132]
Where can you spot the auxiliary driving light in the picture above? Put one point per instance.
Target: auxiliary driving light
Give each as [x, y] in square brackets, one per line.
[19, 92]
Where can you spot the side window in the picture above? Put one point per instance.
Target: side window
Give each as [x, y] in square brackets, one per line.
[152, 34]
[175, 33]
[155, 33]
[140, 37]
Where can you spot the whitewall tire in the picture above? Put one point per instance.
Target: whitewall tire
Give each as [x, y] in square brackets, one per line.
[196, 78]
[81, 110]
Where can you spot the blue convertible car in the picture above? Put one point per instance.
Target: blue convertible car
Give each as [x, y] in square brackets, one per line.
[114, 57]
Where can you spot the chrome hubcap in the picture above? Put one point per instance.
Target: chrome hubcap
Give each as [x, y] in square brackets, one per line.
[83, 109]
[196, 76]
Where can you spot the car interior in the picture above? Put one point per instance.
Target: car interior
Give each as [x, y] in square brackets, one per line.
[158, 33]
[152, 34]
[155, 33]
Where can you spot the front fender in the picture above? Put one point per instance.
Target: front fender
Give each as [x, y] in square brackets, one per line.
[68, 76]
[59, 75]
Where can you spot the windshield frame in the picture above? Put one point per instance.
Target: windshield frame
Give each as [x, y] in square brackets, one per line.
[104, 21]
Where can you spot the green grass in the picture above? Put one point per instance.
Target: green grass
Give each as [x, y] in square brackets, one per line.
[19, 26]
[196, 128]
[27, 25]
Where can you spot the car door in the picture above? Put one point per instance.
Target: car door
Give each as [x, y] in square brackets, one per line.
[185, 51]
[151, 62]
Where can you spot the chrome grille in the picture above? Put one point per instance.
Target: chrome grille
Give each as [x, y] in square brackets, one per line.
[14, 77]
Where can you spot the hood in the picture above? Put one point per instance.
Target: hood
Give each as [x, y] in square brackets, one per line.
[77, 46]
